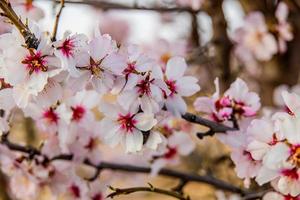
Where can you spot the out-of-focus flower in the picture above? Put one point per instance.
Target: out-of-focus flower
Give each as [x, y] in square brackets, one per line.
[253, 40]
[283, 28]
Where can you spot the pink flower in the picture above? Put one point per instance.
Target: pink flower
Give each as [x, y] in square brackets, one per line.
[246, 166]
[137, 65]
[278, 196]
[34, 67]
[178, 144]
[179, 86]
[237, 101]
[283, 28]
[99, 66]
[253, 40]
[125, 126]
[28, 11]
[68, 49]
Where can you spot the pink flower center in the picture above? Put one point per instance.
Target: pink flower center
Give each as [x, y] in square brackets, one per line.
[28, 5]
[223, 102]
[144, 87]
[130, 69]
[291, 173]
[127, 122]
[67, 47]
[172, 87]
[35, 62]
[78, 113]
[97, 197]
[288, 111]
[248, 155]
[51, 116]
[171, 153]
[289, 197]
[91, 144]
[274, 140]
[75, 191]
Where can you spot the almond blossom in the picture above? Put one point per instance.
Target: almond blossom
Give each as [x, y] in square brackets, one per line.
[246, 166]
[99, 66]
[236, 102]
[178, 144]
[283, 28]
[125, 126]
[253, 40]
[68, 50]
[34, 66]
[179, 86]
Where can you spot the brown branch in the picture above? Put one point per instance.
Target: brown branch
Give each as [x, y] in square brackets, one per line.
[220, 40]
[214, 127]
[32, 152]
[62, 5]
[125, 191]
[117, 6]
[30, 39]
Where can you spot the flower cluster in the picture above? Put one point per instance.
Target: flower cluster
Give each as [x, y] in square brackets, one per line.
[236, 103]
[82, 93]
[267, 149]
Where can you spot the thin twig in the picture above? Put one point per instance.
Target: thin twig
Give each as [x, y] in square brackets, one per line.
[179, 188]
[62, 5]
[125, 191]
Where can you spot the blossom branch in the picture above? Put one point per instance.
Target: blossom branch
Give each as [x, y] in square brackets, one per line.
[32, 152]
[125, 191]
[30, 39]
[62, 5]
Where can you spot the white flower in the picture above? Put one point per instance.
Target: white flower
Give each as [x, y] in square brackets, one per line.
[68, 50]
[125, 126]
[179, 86]
[100, 64]
[34, 66]
[254, 41]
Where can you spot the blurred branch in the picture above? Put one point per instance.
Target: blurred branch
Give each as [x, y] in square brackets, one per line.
[117, 6]
[32, 152]
[62, 5]
[3, 189]
[30, 39]
[220, 39]
[195, 37]
[294, 3]
[125, 191]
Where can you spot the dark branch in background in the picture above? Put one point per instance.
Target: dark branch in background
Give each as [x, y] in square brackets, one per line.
[195, 37]
[220, 40]
[125, 191]
[294, 3]
[62, 5]
[116, 6]
[30, 39]
[32, 152]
